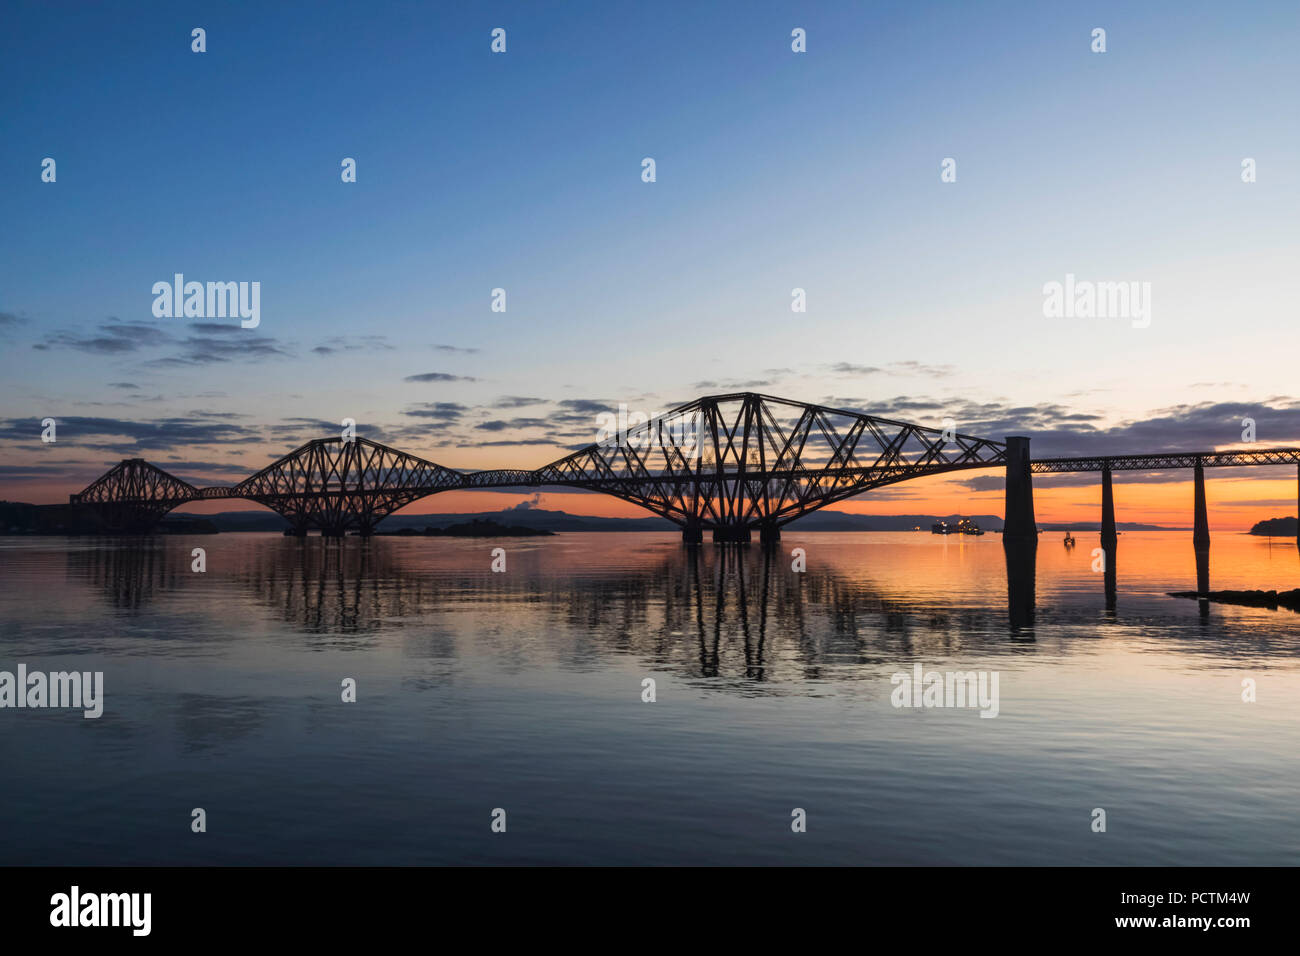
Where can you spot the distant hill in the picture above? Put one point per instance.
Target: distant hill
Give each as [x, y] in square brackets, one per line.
[543, 520]
[843, 521]
[58, 519]
[532, 518]
[1275, 527]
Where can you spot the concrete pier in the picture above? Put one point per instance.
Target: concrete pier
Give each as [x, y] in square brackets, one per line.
[1201, 532]
[1109, 536]
[1018, 524]
[1201, 526]
[692, 534]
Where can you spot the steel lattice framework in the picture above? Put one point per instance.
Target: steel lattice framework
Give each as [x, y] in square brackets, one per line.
[338, 486]
[1164, 460]
[726, 463]
[133, 495]
[731, 463]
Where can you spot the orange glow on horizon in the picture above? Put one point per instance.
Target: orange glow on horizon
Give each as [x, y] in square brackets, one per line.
[1236, 501]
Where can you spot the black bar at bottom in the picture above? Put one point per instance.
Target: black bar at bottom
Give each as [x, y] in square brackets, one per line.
[330, 906]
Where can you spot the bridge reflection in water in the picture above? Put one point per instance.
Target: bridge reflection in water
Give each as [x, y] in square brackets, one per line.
[735, 613]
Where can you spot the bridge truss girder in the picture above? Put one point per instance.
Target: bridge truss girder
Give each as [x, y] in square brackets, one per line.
[133, 496]
[338, 486]
[747, 460]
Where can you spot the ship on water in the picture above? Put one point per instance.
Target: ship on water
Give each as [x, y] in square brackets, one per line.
[963, 526]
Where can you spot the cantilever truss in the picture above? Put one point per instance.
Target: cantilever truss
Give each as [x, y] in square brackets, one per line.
[338, 485]
[728, 462]
[134, 494]
[735, 462]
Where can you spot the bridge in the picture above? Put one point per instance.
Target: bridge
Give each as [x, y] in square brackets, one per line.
[732, 465]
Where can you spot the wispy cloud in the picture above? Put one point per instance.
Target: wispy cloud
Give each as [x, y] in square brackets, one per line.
[438, 377]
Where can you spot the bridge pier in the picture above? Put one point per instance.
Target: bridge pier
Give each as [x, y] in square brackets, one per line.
[1201, 527]
[1201, 531]
[1109, 536]
[1018, 524]
[692, 534]
[731, 534]
[769, 533]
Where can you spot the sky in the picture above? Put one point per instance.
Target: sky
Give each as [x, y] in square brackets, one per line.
[774, 171]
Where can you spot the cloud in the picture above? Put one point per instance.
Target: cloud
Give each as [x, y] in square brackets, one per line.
[443, 411]
[81, 432]
[587, 406]
[343, 343]
[210, 349]
[124, 385]
[516, 401]
[733, 385]
[438, 377]
[200, 343]
[893, 368]
[920, 368]
[505, 443]
[498, 425]
[453, 349]
[112, 337]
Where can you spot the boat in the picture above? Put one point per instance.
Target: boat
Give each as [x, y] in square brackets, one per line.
[1069, 540]
[966, 526]
[941, 527]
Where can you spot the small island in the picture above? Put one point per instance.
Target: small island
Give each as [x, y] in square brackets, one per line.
[1275, 527]
[478, 528]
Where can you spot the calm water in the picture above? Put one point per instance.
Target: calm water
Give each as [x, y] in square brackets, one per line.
[522, 691]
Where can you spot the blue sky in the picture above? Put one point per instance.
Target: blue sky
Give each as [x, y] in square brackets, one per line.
[775, 170]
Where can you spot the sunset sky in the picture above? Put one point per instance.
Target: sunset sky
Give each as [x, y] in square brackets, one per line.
[523, 171]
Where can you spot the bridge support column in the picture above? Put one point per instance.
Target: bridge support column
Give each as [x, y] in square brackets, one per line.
[692, 534]
[1109, 536]
[1201, 526]
[1018, 524]
[1201, 531]
[731, 534]
[1297, 506]
[769, 533]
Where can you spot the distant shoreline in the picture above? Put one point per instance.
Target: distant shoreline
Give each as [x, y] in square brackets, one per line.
[19, 518]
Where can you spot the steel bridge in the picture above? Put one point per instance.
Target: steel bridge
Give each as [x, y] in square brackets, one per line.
[727, 464]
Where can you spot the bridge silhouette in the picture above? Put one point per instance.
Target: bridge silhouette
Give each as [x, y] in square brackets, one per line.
[731, 465]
